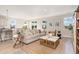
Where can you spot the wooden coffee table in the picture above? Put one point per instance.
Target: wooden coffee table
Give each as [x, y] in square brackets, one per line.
[51, 42]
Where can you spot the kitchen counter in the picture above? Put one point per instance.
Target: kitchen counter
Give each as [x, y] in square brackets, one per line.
[5, 34]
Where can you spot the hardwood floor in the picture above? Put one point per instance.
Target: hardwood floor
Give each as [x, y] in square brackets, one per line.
[33, 48]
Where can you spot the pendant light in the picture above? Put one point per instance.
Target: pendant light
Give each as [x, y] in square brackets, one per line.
[6, 16]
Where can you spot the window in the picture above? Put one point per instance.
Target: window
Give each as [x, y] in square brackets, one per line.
[44, 21]
[13, 23]
[34, 24]
[68, 22]
[34, 27]
[44, 24]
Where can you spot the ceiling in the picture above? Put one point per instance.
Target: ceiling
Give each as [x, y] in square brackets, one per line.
[35, 11]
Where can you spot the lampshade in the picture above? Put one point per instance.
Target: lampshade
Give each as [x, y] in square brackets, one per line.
[25, 25]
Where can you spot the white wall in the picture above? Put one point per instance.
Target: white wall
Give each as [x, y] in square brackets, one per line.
[52, 19]
[60, 19]
[3, 21]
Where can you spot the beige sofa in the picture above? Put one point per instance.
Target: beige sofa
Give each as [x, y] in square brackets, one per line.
[32, 35]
